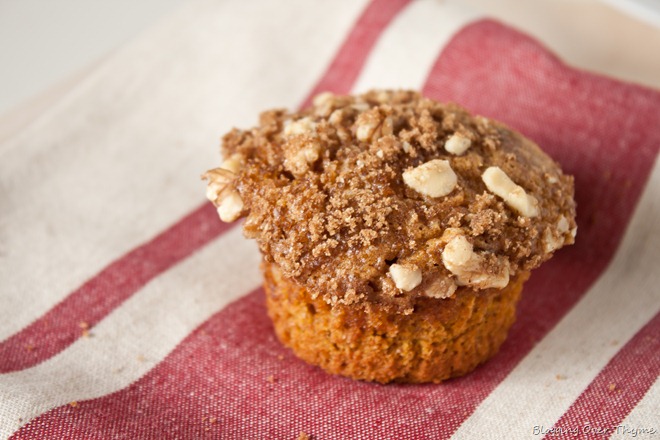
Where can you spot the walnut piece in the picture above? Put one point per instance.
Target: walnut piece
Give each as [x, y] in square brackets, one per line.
[513, 195]
[472, 268]
[323, 98]
[220, 190]
[405, 277]
[457, 144]
[219, 180]
[234, 163]
[554, 240]
[301, 126]
[434, 178]
[300, 161]
[440, 288]
[230, 207]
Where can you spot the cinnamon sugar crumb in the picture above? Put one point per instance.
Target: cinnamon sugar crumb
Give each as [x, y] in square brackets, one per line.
[84, 326]
[325, 199]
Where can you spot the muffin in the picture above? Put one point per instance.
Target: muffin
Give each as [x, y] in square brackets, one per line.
[396, 231]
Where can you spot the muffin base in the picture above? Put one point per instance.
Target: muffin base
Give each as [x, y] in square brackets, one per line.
[441, 339]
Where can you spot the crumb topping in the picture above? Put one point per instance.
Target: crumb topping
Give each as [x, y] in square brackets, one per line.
[388, 196]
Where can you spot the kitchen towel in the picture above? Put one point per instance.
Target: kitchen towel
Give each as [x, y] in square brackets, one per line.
[130, 311]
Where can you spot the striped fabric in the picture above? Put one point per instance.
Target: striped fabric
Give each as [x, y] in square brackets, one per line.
[130, 311]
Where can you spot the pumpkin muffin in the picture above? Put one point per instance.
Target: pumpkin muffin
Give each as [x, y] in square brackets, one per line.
[396, 231]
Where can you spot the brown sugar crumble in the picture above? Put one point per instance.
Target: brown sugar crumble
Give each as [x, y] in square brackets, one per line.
[84, 329]
[389, 196]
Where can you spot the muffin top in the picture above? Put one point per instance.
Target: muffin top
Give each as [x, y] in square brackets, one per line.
[389, 196]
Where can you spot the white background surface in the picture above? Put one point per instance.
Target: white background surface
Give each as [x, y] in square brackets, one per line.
[49, 45]
[42, 41]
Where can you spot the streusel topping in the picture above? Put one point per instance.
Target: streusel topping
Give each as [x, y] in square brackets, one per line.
[388, 196]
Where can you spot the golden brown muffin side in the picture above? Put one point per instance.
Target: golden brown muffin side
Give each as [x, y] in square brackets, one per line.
[441, 339]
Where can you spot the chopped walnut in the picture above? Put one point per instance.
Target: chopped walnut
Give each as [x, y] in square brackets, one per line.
[234, 163]
[553, 240]
[434, 178]
[323, 98]
[230, 207]
[303, 126]
[514, 195]
[405, 277]
[300, 159]
[219, 182]
[366, 125]
[441, 287]
[472, 268]
[457, 144]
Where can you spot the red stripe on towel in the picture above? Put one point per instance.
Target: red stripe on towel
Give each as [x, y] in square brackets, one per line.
[84, 307]
[617, 389]
[342, 73]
